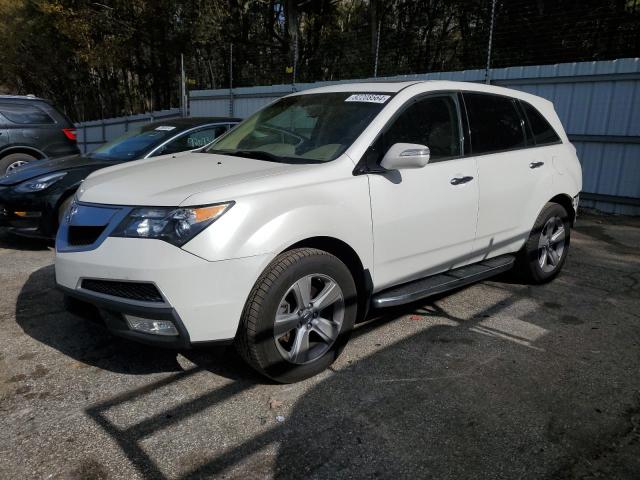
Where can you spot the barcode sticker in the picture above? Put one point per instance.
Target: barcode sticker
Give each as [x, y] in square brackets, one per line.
[368, 97]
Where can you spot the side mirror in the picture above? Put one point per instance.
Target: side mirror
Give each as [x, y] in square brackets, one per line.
[406, 155]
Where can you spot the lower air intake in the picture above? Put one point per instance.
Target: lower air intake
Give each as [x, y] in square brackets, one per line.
[81, 235]
[142, 292]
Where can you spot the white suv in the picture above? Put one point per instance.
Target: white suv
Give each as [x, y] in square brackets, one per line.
[286, 230]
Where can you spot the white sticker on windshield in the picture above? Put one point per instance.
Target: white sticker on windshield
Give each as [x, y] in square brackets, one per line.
[165, 127]
[368, 97]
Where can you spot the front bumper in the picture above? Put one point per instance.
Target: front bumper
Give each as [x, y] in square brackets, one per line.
[113, 314]
[203, 299]
[40, 214]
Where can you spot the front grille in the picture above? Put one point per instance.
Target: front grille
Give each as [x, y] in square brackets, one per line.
[143, 292]
[82, 235]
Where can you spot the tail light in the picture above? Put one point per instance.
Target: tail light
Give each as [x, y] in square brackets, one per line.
[70, 133]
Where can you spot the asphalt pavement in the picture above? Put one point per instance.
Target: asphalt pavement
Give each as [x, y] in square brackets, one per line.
[497, 380]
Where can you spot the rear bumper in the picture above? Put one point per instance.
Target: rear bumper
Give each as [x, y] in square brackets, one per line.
[203, 299]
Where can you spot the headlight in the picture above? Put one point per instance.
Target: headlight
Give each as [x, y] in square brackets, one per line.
[39, 183]
[173, 225]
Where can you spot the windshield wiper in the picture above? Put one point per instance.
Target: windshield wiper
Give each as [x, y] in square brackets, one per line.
[256, 154]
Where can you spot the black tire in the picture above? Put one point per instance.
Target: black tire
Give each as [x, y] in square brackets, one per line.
[529, 258]
[12, 159]
[256, 340]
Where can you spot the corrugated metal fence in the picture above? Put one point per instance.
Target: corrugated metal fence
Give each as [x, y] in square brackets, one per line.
[94, 133]
[598, 103]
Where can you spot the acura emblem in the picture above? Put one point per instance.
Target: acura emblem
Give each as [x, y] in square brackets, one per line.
[73, 209]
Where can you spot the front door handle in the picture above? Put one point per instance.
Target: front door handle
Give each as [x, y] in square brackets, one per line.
[460, 180]
[535, 164]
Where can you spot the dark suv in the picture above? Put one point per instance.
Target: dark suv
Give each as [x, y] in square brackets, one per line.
[31, 129]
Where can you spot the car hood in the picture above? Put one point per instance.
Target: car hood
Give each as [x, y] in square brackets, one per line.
[45, 167]
[171, 180]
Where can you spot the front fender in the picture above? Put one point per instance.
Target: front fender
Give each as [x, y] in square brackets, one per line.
[269, 222]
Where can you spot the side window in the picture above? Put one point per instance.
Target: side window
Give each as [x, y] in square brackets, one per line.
[543, 133]
[495, 123]
[192, 140]
[25, 114]
[432, 122]
[203, 137]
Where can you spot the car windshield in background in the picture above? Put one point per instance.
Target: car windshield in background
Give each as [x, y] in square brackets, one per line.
[303, 128]
[133, 144]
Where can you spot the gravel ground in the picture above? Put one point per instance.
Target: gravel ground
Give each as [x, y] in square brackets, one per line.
[498, 380]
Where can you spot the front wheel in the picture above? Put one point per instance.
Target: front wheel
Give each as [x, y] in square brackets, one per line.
[298, 316]
[545, 252]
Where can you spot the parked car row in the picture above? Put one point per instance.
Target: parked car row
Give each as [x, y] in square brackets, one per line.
[284, 232]
[34, 197]
[32, 129]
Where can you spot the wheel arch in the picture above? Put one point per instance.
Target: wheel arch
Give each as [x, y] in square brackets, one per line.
[346, 254]
[567, 202]
[39, 154]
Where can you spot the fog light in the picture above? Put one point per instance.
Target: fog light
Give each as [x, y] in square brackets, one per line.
[148, 325]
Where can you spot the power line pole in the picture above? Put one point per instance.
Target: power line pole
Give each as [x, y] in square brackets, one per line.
[231, 80]
[487, 74]
[375, 67]
[183, 88]
[295, 59]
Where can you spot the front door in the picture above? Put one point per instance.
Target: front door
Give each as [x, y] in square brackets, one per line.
[424, 220]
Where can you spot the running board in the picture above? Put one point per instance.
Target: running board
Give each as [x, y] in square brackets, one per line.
[442, 282]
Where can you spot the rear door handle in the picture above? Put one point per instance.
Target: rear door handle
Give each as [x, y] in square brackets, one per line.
[460, 180]
[535, 164]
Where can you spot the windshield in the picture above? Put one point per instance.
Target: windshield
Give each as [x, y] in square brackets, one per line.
[133, 144]
[303, 128]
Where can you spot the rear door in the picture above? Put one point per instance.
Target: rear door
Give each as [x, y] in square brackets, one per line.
[514, 181]
[4, 133]
[424, 220]
[31, 126]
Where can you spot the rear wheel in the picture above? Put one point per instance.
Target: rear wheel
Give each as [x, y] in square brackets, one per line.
[545, 252]
[14, 160]
[298, 316]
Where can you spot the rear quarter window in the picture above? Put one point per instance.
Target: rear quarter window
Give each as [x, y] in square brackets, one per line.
[495, 123]
[26, 114]
[543, 132]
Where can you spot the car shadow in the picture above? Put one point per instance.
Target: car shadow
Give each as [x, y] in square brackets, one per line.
[457, 399]
[11, 241]
[41, 315]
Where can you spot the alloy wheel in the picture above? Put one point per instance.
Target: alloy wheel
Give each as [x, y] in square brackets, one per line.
[309, 318]
[551, 244]
[13, 166]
